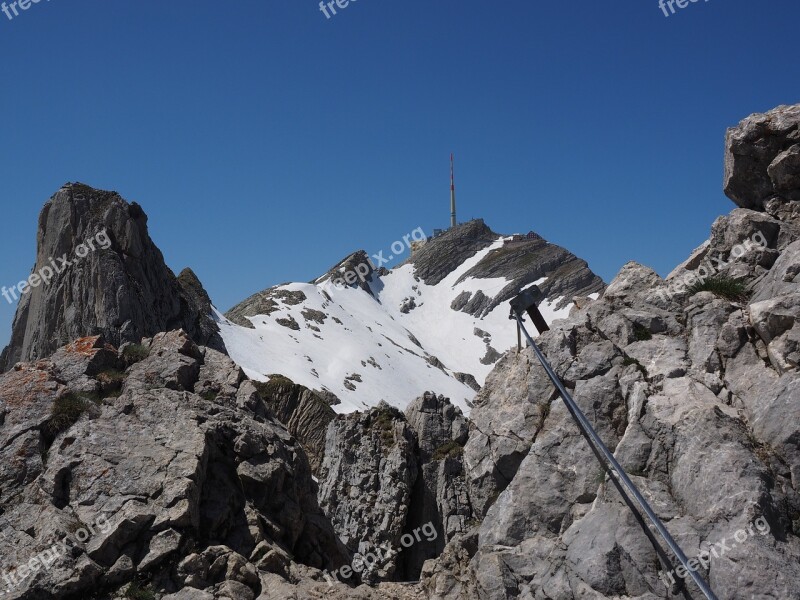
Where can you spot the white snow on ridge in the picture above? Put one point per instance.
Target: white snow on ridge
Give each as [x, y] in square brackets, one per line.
[448, 334]
[368, 346]
[364, 353]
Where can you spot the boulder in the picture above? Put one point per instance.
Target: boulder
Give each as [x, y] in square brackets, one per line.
[761, 157]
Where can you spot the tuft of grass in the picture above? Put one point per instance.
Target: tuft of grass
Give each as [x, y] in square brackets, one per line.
[629, 360]
[278, 379]
[383, 421]
[451, 449]
[93, 397]
[641, 333]
[111, 377]
[268, 389]
[209, 395]
[723, 286]
[65, 413]
[136, 591]
[111, 381]
[135, 353]
[764, 453]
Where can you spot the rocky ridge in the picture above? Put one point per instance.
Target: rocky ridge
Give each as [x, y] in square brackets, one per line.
[561, 275]
[196, 485]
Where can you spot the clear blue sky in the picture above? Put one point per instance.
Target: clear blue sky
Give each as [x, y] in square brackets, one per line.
[266, 142]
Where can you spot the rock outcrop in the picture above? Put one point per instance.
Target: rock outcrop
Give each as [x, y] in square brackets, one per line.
[355, 270]
[695, 415]
[440, 497]
[443, 254]
[561, 274]
[521, 263]
[302, 411]
[393, 484]
[114, 283]
[368, 472]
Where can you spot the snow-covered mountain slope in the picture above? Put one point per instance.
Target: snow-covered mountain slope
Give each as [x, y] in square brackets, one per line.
[396, 335]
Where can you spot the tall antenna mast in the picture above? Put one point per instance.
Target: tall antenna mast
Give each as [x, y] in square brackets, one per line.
[452, 193]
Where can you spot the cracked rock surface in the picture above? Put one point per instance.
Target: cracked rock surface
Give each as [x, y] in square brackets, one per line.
[186, 488]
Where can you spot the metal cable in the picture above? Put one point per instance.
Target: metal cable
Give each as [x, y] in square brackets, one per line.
[591, 434]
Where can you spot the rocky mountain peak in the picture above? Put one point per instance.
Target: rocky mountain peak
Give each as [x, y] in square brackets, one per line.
[98, 272]
[387, 343]
[354, 270]
[444, 253]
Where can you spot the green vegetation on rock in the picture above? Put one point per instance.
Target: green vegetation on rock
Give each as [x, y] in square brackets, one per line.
[451, 449]
[722, 286]
[135, 353]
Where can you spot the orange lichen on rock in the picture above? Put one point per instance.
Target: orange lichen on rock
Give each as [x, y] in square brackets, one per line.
[87, 346]
[21, 386]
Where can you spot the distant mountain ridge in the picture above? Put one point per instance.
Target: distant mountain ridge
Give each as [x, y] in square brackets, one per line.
[436, 321]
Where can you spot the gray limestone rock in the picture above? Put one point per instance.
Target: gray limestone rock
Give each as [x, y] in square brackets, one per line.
[443, 254]
[304, 413]
[697, 397]
[439, 498]
[366, 480]
[761, 159]
[131, 479]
